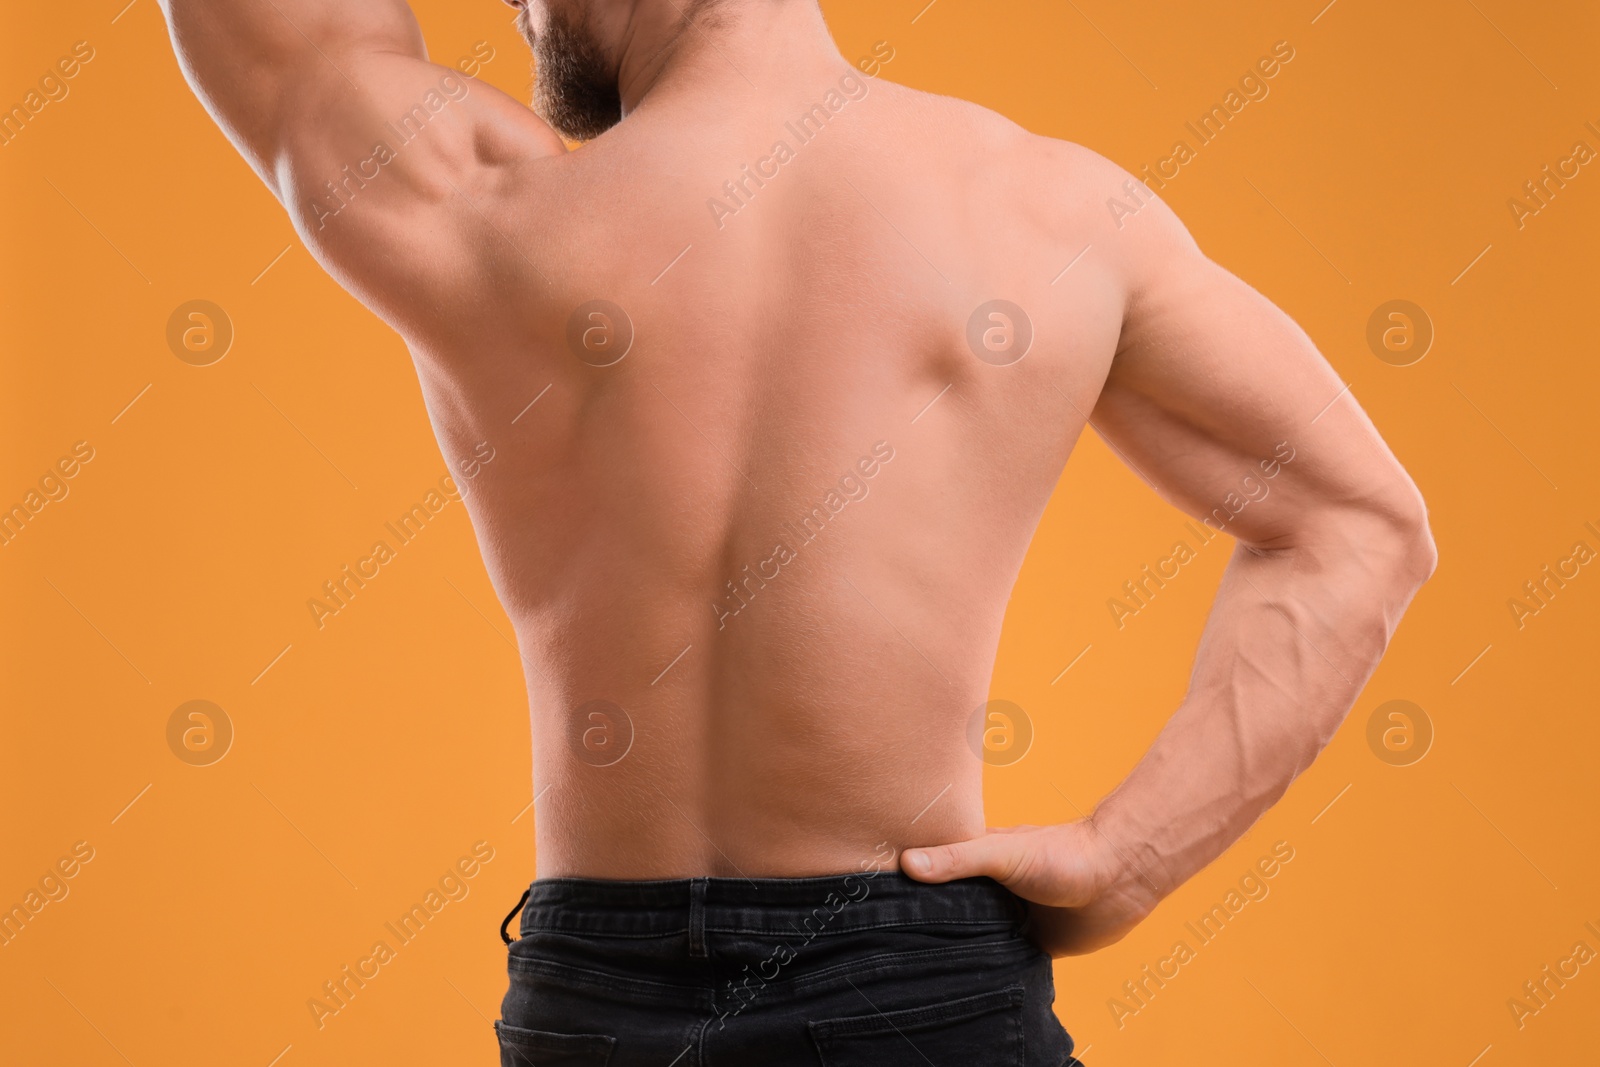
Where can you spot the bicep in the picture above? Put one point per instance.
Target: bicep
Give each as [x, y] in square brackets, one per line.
[380, 157]
[1224, 405]
[262, 68]
[320, 96]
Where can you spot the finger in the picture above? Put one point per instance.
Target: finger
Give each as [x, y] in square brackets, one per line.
[995, 855]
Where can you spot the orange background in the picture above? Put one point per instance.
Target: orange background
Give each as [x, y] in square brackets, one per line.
[371, 755]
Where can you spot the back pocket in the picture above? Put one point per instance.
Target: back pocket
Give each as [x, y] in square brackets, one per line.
[540, 1048]
[985, 1029]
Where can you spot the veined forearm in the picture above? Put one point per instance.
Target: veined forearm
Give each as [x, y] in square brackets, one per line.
[1291, 641]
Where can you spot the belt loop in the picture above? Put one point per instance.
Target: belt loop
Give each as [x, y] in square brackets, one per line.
[507, 922]
[697, 917]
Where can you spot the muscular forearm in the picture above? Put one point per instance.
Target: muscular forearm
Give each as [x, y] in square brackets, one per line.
[1291, 640]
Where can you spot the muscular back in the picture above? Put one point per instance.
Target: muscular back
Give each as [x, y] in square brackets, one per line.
[780, 531]
[778, 377]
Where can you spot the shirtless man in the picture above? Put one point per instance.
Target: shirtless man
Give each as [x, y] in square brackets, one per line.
[780, 367]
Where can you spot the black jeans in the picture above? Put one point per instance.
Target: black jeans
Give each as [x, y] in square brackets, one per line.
[852, 970]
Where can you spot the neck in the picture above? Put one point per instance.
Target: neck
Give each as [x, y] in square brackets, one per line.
[746, 45]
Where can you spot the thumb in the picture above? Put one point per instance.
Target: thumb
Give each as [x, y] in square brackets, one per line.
[995, 855]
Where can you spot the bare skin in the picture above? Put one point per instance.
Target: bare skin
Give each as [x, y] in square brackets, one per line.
[778, 352]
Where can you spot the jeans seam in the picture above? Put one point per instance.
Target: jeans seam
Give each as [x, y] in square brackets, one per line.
[888, 959]
[767, 931]
[602, 979]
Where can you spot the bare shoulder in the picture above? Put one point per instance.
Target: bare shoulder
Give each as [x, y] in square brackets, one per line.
[1056, 188]
[394, 188]
[1073, 187]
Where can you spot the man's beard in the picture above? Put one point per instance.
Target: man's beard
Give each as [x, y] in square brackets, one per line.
[575, 90]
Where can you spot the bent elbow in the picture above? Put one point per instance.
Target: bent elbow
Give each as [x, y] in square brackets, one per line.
[1416, 553]
[1427, 556]
[1389, 533]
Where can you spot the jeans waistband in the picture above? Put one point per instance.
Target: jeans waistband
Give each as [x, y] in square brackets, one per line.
[837, 903]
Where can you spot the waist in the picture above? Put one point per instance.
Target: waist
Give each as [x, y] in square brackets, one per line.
[780, 812]
[817, 905]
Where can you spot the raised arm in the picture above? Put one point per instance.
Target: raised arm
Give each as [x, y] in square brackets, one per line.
[1225, 407]
[369, 146]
